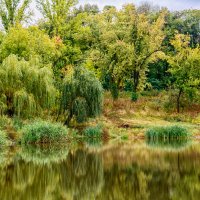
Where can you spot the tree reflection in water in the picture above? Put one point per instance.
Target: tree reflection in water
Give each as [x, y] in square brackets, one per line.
[120, 172]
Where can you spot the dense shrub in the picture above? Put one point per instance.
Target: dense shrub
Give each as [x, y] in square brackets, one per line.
[43, 132]
[93, 132]
[134, 96]
[167, 132]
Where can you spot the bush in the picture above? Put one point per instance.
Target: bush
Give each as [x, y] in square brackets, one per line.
[3, 138]
[93, 132]
[43, 132]
[167, 132]
[134, 96]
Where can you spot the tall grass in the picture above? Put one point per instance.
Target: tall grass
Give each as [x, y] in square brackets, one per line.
[93, 132]
[169, 132]
[43, 132]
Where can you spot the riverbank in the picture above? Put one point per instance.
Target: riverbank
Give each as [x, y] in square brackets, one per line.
[132, 119]
[122, 119]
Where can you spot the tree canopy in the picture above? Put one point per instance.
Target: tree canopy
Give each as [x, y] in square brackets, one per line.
[26, 87]
[81, 95]
[13, 12]
[185, 66]
[134, 48]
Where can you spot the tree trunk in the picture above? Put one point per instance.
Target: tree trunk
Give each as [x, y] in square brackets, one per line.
[10, 110]
[114, 89]
[69, 118]
[135, 80]
[178, 100]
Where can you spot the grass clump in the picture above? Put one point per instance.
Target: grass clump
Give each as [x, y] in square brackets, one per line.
[93, 132]
[170, 132]
[43, 132]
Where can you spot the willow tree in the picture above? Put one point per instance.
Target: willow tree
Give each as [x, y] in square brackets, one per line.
[82, 95]
[25, 87]
[13, 12]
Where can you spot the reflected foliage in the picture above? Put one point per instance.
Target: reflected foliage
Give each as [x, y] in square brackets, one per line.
[119, 172]
[43, 154]
[169, 144]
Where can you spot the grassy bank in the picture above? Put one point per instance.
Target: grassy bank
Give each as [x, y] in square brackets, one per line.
[122, 119]
[133, 119]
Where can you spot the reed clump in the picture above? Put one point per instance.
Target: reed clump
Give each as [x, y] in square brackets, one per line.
[43, 132]
[93, 132]
[169, 132]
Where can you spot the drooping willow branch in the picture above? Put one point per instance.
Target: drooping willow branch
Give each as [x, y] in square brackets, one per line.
[81, 95]
[26, 87]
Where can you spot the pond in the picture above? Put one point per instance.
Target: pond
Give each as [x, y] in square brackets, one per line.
[119, 171]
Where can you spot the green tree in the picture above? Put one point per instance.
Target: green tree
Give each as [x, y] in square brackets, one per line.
[148, 8]
[13, 12]
[25, 87]
[56, 13]
[81, 96]
[185, 22]
[60, 21]
[87, 8]
[125, 42]
[108, 7]
[184, 63]
[26, 43]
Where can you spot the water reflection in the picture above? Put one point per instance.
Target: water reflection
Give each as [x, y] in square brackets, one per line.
[169, 144]
[94, 142]
[120, 172]
[43, 154]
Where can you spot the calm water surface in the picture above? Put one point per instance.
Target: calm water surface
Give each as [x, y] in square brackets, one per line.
[137, 171]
